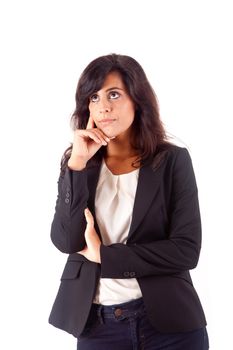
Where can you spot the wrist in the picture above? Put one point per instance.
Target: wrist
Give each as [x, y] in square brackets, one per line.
[76, 164]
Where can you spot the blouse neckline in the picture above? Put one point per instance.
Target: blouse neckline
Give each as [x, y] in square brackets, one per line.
[116, 175]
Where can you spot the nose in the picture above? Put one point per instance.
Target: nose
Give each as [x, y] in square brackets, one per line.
[105, 109]
[104, 106]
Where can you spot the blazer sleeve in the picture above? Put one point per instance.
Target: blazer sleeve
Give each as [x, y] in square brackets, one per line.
[180, 251]
[68, 225]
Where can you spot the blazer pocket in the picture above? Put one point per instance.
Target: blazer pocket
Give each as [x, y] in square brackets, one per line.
[71, 270]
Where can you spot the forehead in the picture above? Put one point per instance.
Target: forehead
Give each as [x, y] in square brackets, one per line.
[113, 79]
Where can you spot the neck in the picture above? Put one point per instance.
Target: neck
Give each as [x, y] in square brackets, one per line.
[121, 149]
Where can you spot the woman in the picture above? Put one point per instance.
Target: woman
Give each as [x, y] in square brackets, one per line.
[127, 214]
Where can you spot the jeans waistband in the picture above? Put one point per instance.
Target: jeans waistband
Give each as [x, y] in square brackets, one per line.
[119, 311]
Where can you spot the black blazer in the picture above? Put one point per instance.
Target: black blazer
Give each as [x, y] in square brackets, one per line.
[163, 244]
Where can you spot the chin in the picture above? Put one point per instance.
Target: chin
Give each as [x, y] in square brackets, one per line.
[109, 133]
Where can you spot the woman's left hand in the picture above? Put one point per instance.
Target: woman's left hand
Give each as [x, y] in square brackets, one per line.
[92, 249]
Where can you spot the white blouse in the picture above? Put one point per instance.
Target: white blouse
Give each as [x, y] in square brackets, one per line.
[114, 202]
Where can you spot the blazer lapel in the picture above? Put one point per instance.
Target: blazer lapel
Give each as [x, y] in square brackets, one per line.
[148, 186]
[92, 179]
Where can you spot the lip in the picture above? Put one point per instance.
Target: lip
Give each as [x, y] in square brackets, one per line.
[106, 120]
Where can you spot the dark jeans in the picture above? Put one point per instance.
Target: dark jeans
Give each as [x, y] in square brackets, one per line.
[126, 327]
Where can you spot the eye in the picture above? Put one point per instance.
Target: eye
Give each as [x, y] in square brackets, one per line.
[114, 95]
[94, 98]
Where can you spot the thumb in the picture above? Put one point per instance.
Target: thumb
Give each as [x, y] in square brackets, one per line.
[89, 217]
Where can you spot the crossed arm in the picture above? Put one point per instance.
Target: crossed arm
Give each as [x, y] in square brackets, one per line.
[73, 230]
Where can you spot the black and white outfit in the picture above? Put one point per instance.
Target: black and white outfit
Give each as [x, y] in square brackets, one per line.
[149, 223]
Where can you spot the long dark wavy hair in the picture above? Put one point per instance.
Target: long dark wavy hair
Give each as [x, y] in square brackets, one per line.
[149, 136]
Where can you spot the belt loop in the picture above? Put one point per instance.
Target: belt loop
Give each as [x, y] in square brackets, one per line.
[100, 314]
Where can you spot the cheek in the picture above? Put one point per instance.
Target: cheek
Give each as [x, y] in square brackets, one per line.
[130, 112]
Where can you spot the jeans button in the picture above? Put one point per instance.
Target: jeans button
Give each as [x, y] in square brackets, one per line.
[118, 312]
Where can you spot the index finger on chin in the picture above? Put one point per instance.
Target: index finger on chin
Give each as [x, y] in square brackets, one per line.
[90, 123]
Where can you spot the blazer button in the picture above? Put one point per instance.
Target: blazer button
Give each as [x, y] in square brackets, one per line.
[132, 274]
[67, 201]
[126, 274]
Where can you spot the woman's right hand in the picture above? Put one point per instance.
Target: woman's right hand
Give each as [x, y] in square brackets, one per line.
[86, 143]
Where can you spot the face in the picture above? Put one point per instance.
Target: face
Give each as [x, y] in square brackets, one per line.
[111, 107]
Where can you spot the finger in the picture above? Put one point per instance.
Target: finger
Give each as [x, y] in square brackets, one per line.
[90, 123]
[89, 134]
[102, 135]
[83, 252]
[89, 217]
[96, 135]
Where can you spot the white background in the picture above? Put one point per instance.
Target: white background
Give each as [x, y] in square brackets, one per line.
[185, 48]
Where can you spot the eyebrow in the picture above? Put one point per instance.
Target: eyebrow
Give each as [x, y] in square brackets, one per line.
[115, 88]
